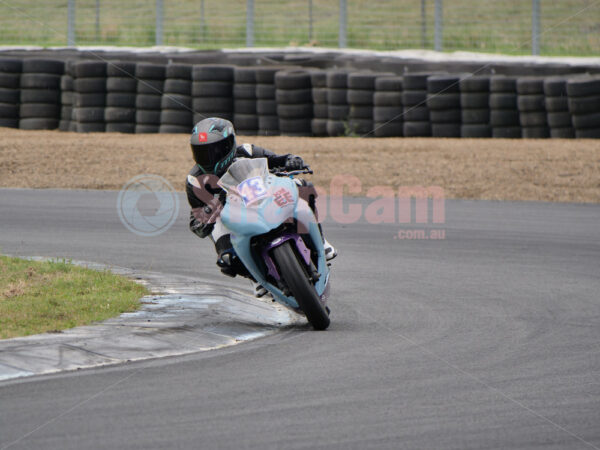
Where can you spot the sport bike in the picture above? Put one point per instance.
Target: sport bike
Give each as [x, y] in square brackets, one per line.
[275, 234]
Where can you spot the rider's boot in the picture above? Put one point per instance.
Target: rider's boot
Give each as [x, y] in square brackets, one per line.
[330, 251]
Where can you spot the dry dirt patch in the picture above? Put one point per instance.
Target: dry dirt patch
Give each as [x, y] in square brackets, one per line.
[498, 169]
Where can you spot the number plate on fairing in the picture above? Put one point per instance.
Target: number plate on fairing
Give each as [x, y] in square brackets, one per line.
[252, 190]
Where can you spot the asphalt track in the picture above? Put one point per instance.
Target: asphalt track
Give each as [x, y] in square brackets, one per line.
[486, 339]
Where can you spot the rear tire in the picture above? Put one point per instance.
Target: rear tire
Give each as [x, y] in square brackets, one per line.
[294, 274]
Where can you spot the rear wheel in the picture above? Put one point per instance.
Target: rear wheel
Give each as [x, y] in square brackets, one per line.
[295, 275]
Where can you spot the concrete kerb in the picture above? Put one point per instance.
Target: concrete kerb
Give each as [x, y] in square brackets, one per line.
[183, 315]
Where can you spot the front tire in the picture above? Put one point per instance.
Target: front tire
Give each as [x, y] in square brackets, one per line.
[295, 275]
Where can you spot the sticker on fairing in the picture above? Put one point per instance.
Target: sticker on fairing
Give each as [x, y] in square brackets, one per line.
[252, 190]
[283, 197]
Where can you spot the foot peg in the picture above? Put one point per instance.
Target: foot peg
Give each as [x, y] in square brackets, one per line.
[259, 290]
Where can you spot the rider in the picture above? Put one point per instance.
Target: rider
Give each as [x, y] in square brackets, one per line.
[214, 149]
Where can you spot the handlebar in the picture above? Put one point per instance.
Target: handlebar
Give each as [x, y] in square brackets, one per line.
[281, 172]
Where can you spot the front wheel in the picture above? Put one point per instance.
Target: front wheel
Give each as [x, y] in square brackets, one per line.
[295, 275]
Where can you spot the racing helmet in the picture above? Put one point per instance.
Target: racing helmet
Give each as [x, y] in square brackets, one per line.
[213, 145]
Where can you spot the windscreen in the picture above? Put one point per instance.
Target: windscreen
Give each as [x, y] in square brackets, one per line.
[241, 170]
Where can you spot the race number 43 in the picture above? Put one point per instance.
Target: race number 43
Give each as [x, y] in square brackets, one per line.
[252, 190]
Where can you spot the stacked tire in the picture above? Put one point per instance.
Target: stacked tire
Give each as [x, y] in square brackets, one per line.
[387, 109]
[557, 108]
[245, 118]
[67, 99]
[361, 90]
[121, 97]
[532, 108]
[443, 101]
[266, 104]
[584, 105]
[10, 78]
[338, 109]
[504, 113]
[40, 94]
[318, 81]
[89, 99]
[212, 91]
[475, 107]
[293, 92]
[176, 104]
[150, 85]
[414, 101]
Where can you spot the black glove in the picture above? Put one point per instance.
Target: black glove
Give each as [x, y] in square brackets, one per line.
[294, 162]
[200, 228]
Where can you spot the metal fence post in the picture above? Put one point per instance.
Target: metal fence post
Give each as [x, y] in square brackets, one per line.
[250, 23]
[310, 20]
[342, 37]
[97, 20]
[202, 21]
[439, 26]
[71, 23]
[424, 23]
[159, 22]
[535, 28]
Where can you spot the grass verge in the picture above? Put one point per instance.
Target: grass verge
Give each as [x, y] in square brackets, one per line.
[38, 297]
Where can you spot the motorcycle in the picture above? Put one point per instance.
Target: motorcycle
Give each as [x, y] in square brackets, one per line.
[275, 234]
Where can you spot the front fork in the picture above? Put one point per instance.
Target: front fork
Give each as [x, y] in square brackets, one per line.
[305, 253]
[303, 250]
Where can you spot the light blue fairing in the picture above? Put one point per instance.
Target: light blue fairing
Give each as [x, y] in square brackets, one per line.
[258, 218]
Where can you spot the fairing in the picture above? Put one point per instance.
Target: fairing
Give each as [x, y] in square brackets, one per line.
[248, 217]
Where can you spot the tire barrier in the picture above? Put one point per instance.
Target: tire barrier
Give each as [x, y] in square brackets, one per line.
[557, 108]
[475, 107]
[388, 118]
[443, 101]
[532, 109]
[245, 117]
[293, 93]
[584, 106]
[10, 78]
[121, 96]
[266, 104]
[338, 110]
[318, 124]
[176, 114]
[212, 91]
[504, 114]
[66, 99]
[415, 110]
[89, 101]
[143, 97]
[150, 87]
[361, 90]
[39, 107]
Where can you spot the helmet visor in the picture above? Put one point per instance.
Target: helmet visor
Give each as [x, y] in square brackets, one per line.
[208, 155]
